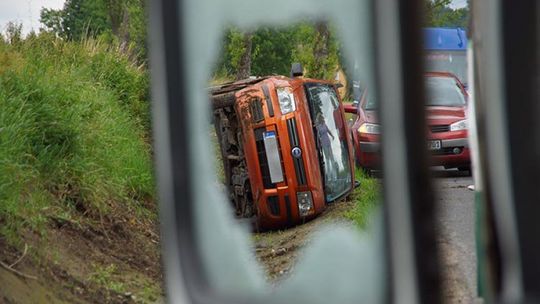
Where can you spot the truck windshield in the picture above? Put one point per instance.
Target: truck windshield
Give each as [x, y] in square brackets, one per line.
[331, 141]
[443, 91]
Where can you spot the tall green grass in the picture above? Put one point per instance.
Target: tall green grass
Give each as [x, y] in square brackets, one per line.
[74, 128]
[366, 198]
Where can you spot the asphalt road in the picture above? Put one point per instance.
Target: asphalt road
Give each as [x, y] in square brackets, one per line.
[455, 218]
[277, 251]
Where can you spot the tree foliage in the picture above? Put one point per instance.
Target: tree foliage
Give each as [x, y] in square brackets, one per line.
[123, 21]
[264, 51]
[53, 20]
[78, 19]
[13, 33]
[440, 14]
[274, 49]
[317, 49]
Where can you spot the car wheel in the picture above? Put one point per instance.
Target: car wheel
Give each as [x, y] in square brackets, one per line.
[465, 169]
[367, 171]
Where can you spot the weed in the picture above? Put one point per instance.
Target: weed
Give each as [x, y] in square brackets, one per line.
[150, 293]
[366, 198]
[103, 276]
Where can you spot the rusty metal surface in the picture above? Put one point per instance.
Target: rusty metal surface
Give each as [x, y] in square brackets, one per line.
[235, 85]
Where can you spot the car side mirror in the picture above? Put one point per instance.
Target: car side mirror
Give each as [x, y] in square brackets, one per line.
[297, 70]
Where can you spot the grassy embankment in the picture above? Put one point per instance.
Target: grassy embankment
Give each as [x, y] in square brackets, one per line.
[365, 198]
[76, 169]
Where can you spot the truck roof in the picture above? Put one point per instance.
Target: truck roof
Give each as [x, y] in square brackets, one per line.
[234, 86]
[238, 85]
[224, 94]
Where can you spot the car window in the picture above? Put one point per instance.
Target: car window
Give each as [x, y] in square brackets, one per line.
[371, 104]
[443, 91]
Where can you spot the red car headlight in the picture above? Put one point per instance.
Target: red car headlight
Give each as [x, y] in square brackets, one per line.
[459, 125]
[370, 128]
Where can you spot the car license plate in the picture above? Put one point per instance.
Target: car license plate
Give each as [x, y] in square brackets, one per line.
[434, 144]
[272, 156]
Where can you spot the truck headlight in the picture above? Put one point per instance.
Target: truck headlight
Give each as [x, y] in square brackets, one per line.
[286, 100]
[369, 128]
[305, 203]
[459, 125]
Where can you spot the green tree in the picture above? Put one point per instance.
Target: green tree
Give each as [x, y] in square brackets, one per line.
[82, 18]
[317, 49]
[77, 19]
[231, 53]
[137, 27]
[274, 49]
[14, 33]
[439, 14]
[53, 20]
[244, 66]
[123, 21]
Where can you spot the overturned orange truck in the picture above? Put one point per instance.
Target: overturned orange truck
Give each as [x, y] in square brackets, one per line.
[285, 147]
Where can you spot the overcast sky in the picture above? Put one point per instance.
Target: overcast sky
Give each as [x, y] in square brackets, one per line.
[458, 4]
[27, 11]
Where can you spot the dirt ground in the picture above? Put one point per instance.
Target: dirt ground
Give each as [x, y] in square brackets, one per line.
[118, 261]
[109, 262]
[277, 250]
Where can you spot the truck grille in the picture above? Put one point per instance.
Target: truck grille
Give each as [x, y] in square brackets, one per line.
[288, 206]
[439, 128]
[273, 205]
[269, 104]
[295, 142]
[256, 110]
[263, 161]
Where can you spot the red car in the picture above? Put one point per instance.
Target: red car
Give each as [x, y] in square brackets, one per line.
[446, 106]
